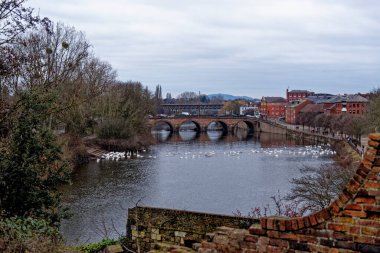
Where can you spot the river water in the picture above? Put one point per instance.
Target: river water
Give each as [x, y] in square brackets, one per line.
[205, 172]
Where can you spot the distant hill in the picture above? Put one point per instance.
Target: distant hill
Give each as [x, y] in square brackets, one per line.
[229, 97]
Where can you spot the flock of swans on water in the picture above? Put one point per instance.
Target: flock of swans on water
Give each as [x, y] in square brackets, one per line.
[116, 156]
[313, 151]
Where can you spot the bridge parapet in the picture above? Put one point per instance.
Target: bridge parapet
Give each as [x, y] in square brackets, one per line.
[202, 122]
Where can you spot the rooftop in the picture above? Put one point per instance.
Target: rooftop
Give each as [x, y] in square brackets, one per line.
[300, 91]
[348, 98]
[274, 99]
[318, 108]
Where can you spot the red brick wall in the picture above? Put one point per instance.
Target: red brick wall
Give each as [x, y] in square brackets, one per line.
[291, 96]
[292, 113]
[350, 224]
[353, 108]
[273, 110]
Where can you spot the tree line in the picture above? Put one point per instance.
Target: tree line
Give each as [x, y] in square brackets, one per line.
[50, 77]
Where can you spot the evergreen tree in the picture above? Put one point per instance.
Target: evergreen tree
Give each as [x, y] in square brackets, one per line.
[30, 163]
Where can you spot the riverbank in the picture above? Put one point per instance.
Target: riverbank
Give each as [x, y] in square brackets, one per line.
[78, 151]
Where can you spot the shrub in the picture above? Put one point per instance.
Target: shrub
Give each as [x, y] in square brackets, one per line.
[29, 235]
[96, 247]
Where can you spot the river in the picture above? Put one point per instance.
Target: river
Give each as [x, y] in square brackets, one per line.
[205, 172]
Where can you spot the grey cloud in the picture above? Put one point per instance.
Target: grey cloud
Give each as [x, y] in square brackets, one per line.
[256, 47]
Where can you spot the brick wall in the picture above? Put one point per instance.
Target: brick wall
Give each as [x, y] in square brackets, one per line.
[147, 226]
[350, 224]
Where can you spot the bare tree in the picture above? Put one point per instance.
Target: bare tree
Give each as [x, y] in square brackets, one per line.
[317, 186]
[16, 19]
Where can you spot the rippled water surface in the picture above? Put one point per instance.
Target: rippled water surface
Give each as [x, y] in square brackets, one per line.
[208, 173]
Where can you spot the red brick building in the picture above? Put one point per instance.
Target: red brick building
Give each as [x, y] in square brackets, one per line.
[273, 107]
[297, 95]
[349, 104]
[293, 109]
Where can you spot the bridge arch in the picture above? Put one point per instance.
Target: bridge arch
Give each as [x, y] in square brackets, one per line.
[198, 127]
[221, 123]
[250, 126]
[163, 122]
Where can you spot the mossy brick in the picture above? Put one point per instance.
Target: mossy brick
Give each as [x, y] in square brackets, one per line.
[251, 238]
[352, 186]
[372, 185]
[313, 220]
[344, 198]
[362, 193]
[373, 177]
[273, 249]
[263, 222]
[367, 164]
[273, 234]
[374, 136]
[346, 245]
[334, 207]
[358, 214]
[300, 223]
[371, 231]
[371, 151]
[374, 193]
[372, 143]
[345, 220]
[270, 224]
[364, 239]
[363, 173]
[359, 178]
[257, 231]
[289, 236]
[370, 157]
[364, 200]
[306, 221]
[355, 207]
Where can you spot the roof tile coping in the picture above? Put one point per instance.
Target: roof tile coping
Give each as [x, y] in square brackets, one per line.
[291, 224]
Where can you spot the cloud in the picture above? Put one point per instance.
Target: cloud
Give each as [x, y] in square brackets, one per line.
[220, 45]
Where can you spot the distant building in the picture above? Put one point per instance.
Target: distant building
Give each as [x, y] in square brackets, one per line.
[320, 98]
[350, 104]
[297, 95]
[251, 109]
[293, 109]
[273, 107]
[311, 108]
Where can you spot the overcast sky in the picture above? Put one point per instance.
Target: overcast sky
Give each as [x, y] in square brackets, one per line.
[241, 47]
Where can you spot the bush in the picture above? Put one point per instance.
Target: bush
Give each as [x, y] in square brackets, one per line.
[114, 129]
[29, 235]
[96, 247]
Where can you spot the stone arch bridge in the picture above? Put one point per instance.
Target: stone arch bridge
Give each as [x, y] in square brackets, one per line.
[228, 123]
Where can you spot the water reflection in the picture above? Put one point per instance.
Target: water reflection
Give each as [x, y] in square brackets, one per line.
[214, 135]
[241, 134]
[188, 135]
[161, 135]
[201, 172]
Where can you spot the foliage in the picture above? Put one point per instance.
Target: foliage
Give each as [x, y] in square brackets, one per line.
[373, 115]
[96, 247]
[317, 186]
[29, 235]
[187, 96]
[231, 107]
[353, 126]
[123, 110]
[15, 19]
[30, 164]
